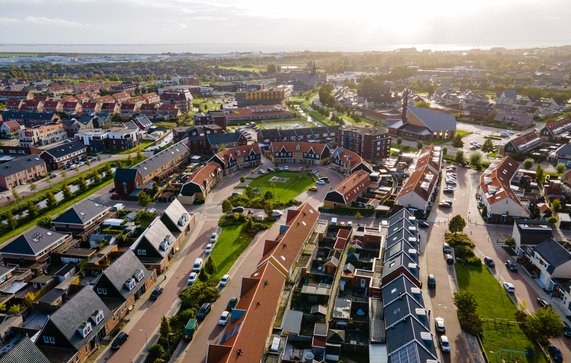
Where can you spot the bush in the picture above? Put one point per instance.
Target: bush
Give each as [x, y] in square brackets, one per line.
[474, 261]
[552, 220]
[463, 251]
[458, 239]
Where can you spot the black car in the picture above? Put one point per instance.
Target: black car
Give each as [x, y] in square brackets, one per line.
[566, 330]
[489, 262]
[431, 281]
[555, 353]
[156, 292]
[203, 311]
[119, 340]
[511, 266]
[238, 209]
[231, 303]
[423, 224]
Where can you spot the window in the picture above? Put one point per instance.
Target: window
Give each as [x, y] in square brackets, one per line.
[101, 291]
[141, 252]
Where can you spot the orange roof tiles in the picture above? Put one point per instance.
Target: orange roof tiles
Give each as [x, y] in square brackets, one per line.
[298, 147]
[495, 182]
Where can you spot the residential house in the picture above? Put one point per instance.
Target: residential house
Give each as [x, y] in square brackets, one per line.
[200, 183]
[75, 330]
[239, 157]
[72, 107]
[91, 107]
[507, 97]
[481, 110]
[556, 130]
[110, 107]
[143, 122]
[371, 143]
[9, 129]
[528, 233]
[495, 192]
[151, 98]
[60, 89]
[302, 81]
[177, 219]
[168, 110]
[128, 108]
[197, 136]
[149, 110]
[419, 189]
[34, 245]
[6, 95]
[158, 166]
[347, 162]
[121, 97]
[71, 127]
[63, 155]
[322, 134]
[299, 152]
[24, 351]
[21, 171]
[563, 154]
[181, 99]
[14, 105]
[211, 118]
[515, 118]
[347, 191]
[270, 96]
[122, 283]
[257, 113]
[33, 105]
[84, 216]
[552, 260]
[215, 141]
[156, 246]
[42, 135]
[30, 119]
[523, 144]
[114, 139]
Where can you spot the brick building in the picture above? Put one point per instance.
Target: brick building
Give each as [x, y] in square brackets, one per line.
[372, 143]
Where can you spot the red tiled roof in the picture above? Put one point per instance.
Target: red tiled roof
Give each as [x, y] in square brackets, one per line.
[206, 173]
[352, 186]
[495, 182]
[552, 125]
[426, 171]
[259, 112]
[238, 151]
[12, 125]
[526, 141]
[298, 147]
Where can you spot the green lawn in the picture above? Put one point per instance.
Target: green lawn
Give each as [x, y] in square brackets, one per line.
[142, 146]
[363, 122]
[231, 243]
[462, 133]
[296, 184]
[494, 303]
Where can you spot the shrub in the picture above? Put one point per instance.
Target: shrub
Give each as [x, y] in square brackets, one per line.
[552, 220]
[474, 261]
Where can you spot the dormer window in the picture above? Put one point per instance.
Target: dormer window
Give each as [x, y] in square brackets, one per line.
[85, 329]
[139, 275]
[130, 284]
[163, 246]
[97, 316]
[183, 219]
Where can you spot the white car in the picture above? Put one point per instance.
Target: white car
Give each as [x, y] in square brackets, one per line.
[192, 278]
[439, 324]
[445, 344]
[261, 171]
[320, 182]
[224, 280]
[197, 265]
[214, 237]
[208, 249]
[509, 287]
[224, 318]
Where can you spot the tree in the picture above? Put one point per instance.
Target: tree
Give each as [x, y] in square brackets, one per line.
[32, 208]
[271, 68]
[445, 150]
[226, 206]
[457, 224]
[556, 204]
[552, 220]
[222, 147]
[2, 308]
[10, 218]
[541, 325]
[156, 351]
[210, 266]
[459, 156]
[457, 141]
[560, 168]
[96, 177]
[66, 191]
[422, 103]
[399, 141]
[539, 175]
[144, 199]
[269, 195]
[528, 163]
[155, 189]
[51, 200]
[202, 275]
[165, 328]
[32, 186]
[139, 155]
[488, 146]
[29, 299]
[45, 222]
[15, 309]
[419, 145]
[15, 193]
[82, 183]
[466, 306]
[358, 215]
[476, 159]
[242, 179]
[108, 170]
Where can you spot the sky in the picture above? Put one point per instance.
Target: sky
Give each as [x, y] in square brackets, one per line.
[238, 25]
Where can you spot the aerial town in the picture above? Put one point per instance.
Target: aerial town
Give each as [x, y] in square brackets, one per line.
[392, 207]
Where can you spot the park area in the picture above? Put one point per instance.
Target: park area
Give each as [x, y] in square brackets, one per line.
[284, 185]
[502, 338]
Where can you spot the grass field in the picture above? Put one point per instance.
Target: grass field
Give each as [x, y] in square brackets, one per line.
[462, 133]
[296, 184]
[143, 145]
[231, 243]
[241, 68]
[494, 303]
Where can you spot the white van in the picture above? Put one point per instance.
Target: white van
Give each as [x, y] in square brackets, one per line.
[276, 213]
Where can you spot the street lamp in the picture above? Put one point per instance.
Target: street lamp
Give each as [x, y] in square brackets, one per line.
[146, 340]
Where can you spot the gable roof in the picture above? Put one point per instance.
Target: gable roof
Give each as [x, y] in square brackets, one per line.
[123, 174]
[22, 115]
[123, 269]
[65, 149]
[175, 151]
[554, 253]
[399, 286]
[157, 233]
[434, 120]
[77, 310]
[177, 214]
[34, 241]
[25, 351]
[558, 127]
[495, 182]
[350, 188]
[235, 152]
[526, 142]
[298, 147]
[82, 212]
[20, 164]
[201, 178]
[223, 138]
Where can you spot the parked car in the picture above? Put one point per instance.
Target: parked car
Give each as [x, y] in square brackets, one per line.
[444, 205]
[238, 209]
[566, 330]
[449, 259]
[555, 353]
[224, 317]
[156, 293]
[445, 344]
[192, 278]
[489, 262]
[325, 179]
[423, 224]
[446, 248]
[439, 325]
[213, 237]
[197, 264]
[431, 281]
[320, 182]
[261, 171]
[511, 266]
[119, 340]
[271, 170]
[448, 190]
[232, 303]
[224, 280]
[203, 311]
[208, 248]
[509, 287]
[313, 189]
[543, 303]
[276, 213]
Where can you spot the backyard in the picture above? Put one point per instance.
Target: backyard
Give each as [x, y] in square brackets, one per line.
[497, 310]
[284, 185]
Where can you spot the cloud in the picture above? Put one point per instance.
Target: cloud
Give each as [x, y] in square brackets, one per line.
[5, 20]
[40, 20]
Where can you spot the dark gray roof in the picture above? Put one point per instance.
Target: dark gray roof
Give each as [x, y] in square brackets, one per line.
[401, 261]
[399, 286]
[82, 212]
[434, 120]
[123, 174]
[176, 213]
[25, 352]
[415, 129]
[157, 233]
[23, 115]
[66, 149]
[20, 164]
[402, 246]
[164, 157]
[123, 269]
[413, 352]
[33, 241]
[403, 213]
[563, 150]
[217, 139]
[399, 235]
[553, 253]
[533, 232]
[405, 306]
[77, 310]
[409, 331]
